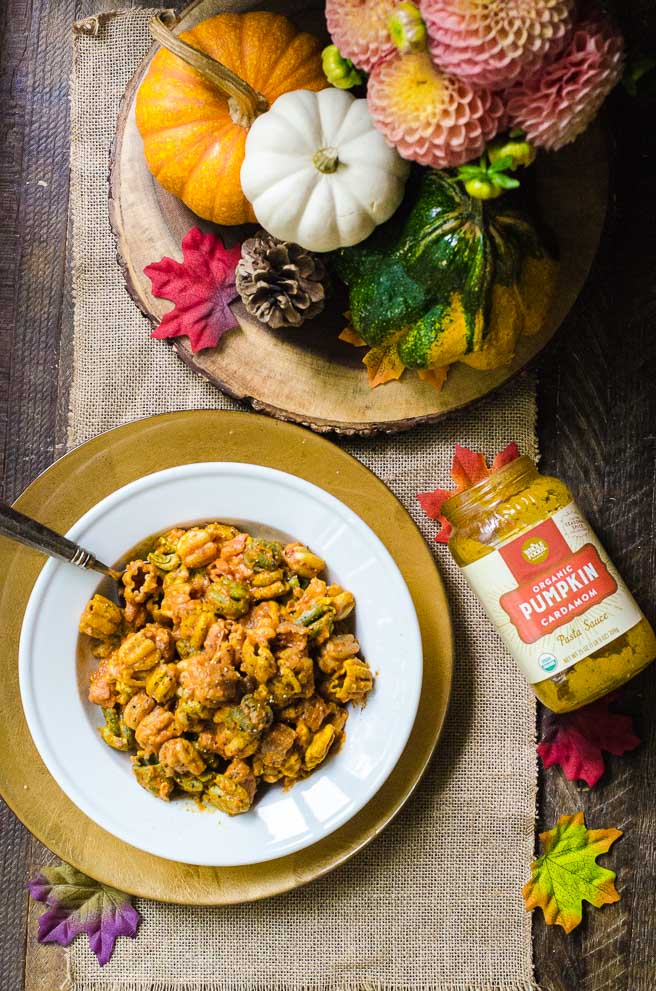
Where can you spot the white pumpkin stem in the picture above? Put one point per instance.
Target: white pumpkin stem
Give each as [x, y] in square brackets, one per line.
[326, 160]
[244, 102]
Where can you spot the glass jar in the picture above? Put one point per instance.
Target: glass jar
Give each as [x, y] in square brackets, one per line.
[548, 586]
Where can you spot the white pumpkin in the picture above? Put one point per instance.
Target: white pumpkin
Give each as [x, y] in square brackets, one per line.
[317, 172]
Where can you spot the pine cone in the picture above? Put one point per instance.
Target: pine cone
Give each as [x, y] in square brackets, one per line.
[280, 283]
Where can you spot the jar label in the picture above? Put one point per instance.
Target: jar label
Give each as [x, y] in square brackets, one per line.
[553, 594]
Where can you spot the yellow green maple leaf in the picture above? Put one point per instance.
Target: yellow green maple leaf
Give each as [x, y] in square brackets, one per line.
[567, 873]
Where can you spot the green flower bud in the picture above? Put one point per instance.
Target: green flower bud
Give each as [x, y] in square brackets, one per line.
[482, 189]
[339, 71]
[407, 29]
[521, 153]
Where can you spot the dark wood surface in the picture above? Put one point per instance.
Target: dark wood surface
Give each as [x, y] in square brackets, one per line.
[597, 430]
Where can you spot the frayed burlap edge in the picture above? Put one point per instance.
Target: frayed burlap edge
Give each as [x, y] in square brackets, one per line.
[228, 985]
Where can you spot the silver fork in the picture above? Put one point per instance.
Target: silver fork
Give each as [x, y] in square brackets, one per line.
[24, 530]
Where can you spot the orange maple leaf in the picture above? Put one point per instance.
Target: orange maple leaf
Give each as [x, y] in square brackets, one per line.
[352, 337]
[468, 468]
[434, 376]
[350, 334]
[383, 364]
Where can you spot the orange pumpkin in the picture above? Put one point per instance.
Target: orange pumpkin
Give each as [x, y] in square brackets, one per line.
[194, 115]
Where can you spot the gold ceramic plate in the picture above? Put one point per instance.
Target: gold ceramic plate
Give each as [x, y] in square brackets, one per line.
[67, 490]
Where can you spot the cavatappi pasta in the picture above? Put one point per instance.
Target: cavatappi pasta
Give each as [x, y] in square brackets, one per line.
[228, 665]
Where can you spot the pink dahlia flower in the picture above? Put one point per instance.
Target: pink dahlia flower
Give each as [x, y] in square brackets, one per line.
[360, 29]
[492, 42]
[557, 105]
[429, 117]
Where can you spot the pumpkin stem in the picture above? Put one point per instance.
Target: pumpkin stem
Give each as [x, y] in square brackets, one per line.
[326, 160]
[244, 102]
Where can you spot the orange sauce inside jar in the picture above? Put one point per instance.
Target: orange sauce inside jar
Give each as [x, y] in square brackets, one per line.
[548, 586]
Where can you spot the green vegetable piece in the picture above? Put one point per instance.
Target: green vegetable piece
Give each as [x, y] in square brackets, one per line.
[128, 735]
[310, 615]
[115, 742]
[262, 555]
[154, 779]
[323, 626]
[143, 760]
[339, 71]
[253, 715]
[194, 785]
[229, 598]
[318, 619]
[190, 715]
[184, 649]
[112, 720]
[246, 722]
[165, 561]
[115, 733]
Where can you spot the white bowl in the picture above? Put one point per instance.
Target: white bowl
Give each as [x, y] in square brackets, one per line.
[63, 723]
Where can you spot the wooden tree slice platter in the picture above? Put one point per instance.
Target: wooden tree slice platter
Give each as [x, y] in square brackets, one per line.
[307, 375]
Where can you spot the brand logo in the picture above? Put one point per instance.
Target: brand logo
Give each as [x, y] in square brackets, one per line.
[535, 550]
[547, 662]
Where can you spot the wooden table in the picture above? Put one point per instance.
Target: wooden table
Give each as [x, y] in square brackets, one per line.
[597, 430]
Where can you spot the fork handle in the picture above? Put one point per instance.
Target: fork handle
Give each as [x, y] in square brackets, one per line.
[25, 530]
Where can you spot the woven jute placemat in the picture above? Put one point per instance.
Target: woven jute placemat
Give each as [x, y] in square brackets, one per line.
[433, 903]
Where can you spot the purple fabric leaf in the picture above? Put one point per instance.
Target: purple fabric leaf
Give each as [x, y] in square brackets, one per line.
[78, 904]
[39, 888]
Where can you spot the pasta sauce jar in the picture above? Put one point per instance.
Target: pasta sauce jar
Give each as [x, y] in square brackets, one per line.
[548, 586]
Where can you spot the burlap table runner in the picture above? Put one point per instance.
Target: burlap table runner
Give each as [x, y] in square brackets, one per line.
[434, 903]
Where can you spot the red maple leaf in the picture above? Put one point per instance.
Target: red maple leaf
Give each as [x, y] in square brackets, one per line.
[575, 740]
[467, 469]
[201, 286]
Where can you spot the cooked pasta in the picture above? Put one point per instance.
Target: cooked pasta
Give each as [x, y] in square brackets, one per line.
[228, 665]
